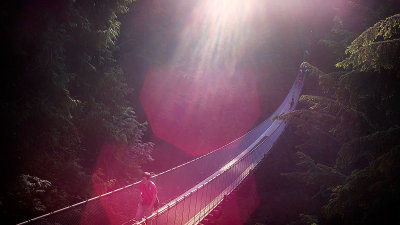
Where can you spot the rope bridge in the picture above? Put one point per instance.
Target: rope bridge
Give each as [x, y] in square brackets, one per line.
[193, 189]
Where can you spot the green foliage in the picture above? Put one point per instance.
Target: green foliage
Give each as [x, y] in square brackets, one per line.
[315, 174]
[305, 220]
[310, 123]
[346, 95]
[376, 48]
[340, 38]
[31, 188]
[370, 195]
[333, 120]
[65, 97]
[342, 138]
[356, 109]
[361, 152]
[327, 83]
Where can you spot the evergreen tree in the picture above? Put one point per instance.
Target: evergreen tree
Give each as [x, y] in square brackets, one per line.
[65, 98]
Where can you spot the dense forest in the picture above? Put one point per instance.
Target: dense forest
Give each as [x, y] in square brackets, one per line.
[67, 122]
[76, 122]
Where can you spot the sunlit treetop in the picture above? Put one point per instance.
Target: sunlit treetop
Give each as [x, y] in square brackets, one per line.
[376, 48]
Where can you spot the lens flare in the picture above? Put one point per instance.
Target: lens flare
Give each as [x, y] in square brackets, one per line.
[204, 97]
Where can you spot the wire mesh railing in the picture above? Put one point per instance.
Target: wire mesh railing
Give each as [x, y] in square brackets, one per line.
[192, 189]
[193, 205]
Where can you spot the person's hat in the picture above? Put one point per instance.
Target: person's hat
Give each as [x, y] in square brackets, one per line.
[147, 175]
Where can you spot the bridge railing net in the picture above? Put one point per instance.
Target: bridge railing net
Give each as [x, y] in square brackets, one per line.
[200, 179]
[192, 206]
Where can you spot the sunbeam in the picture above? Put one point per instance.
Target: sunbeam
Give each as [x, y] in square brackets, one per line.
[192, 100]
[214, 36]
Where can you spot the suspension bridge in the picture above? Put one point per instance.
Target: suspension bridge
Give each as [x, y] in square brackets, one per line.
[207, 181]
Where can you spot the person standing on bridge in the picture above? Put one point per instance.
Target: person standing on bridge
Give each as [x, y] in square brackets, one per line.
[292, 103]
[147, 197]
